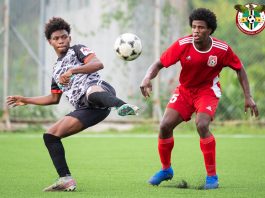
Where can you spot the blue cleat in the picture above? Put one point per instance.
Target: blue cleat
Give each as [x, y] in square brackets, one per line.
[211, 182]
[162, 175]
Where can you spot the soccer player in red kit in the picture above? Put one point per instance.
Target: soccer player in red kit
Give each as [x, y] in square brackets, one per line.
[202, 58]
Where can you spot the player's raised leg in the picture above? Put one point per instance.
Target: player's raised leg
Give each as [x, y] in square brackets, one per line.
[207, 145]
[170, 120]
[98, 95]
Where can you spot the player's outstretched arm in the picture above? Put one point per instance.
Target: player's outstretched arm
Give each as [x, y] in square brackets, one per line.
[146, 85]
[249, 101]
[16, 100]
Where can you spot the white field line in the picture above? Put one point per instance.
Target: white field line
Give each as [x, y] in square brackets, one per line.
[234, 136]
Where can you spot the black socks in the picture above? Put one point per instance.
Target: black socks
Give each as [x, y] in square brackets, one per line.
[56, 150]
[105, 99]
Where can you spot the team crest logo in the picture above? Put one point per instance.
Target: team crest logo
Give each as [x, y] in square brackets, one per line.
[212, 61]
[250, 18]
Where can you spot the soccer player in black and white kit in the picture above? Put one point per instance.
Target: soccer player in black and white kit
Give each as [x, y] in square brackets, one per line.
[75, 74]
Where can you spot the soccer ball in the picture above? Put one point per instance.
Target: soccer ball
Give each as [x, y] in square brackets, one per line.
[251, 19]
[128, 46]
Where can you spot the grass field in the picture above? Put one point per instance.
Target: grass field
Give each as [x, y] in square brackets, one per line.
[119, 165]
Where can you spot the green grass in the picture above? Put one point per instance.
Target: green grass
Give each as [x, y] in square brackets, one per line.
[119, 166]
[215, 127]
[148, 127]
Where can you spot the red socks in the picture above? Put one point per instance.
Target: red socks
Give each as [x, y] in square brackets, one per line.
[208, 149]
[207, 145]
[165, 147]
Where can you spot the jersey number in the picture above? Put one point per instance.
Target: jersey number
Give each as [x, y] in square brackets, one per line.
[174, 98]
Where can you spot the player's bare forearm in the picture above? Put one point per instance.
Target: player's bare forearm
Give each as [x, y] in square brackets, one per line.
[92, 66]
[43, 100]
[243, 79]
[153, 70]
[40, 100]
[146, 85]
[249, 101]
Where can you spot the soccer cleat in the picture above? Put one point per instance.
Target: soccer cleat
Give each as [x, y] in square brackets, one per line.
[62, 184]
[162, 175]
[211, 182]
[128, 109]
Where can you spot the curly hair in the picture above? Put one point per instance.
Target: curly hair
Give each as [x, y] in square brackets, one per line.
[205, 15]
[54, 24]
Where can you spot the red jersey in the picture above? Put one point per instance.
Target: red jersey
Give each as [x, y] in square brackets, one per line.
[200, 68]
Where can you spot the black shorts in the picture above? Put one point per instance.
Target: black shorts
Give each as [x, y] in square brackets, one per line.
[89, 114]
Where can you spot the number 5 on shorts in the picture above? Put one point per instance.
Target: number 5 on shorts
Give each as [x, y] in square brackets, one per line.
[174, 98]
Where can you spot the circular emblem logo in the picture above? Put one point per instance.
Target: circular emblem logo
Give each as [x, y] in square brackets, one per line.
[250, 18]
[212, 61]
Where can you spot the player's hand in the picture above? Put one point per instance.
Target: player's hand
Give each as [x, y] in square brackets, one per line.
[146, 87]
[249, 103]
[13, 101]
[65, 78]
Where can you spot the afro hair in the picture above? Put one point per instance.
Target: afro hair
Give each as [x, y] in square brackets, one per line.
[206, 15]
[54, 24]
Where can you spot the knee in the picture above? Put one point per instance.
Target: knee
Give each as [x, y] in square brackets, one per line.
[92, 96]
[55, 131]
[166, 129]
[97, 97]
[94, 89]
[202, 126]
[50, 138]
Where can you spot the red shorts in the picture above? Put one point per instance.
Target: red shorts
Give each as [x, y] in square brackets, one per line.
[187, 101]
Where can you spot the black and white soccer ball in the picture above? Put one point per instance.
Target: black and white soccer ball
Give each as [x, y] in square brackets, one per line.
[251, 19]
[128, 46]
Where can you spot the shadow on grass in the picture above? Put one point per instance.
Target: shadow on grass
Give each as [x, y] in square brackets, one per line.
[182, 184]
